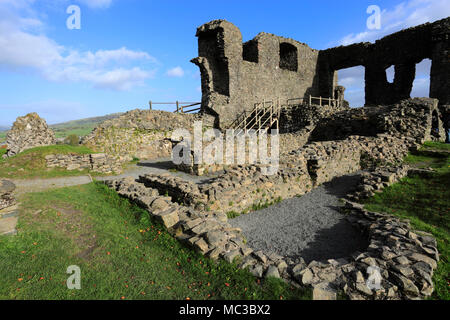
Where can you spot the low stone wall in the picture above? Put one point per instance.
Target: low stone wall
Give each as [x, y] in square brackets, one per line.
[6, 197]
[144, 134]
[376, 180]
[238, 189]
[398, 264]
[208, 233]
[417, 118]
[98, 162]
[329, 159]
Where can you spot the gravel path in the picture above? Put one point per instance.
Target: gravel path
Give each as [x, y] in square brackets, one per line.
[310, 227]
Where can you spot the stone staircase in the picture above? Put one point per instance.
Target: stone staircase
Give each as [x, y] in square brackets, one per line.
[8, 220]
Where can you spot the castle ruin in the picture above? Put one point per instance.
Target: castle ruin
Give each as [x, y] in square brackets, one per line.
[237, 75]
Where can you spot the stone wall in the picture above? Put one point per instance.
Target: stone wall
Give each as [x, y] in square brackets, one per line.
[6, 198]
[297, 117]
[237, 75]
[403, 49]
[417, 118]
[98, 162]
[28, 132]
[238, 189]
[144, 134]
[403, 261]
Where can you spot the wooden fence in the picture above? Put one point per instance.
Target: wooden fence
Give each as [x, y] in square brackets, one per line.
[181, 107]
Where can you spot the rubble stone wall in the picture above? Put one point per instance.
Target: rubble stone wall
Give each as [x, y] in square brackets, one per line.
[417, 118]
[144, 134]
[28, 132]
[6, 197]
[237, 75]
[98, 162]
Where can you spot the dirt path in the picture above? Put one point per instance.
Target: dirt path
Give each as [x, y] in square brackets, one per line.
[159, 166]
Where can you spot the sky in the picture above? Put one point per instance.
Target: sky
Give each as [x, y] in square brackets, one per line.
[127, 52]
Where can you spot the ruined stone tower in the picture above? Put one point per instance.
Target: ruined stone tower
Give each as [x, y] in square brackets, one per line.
[237, 75]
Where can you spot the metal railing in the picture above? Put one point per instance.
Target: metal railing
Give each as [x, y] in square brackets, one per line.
[181, 107]
[267, 113]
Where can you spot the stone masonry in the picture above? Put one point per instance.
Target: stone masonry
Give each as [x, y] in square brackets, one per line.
[8, 208]
[237, 75]
[97, 162]
[28, 132]
[144, 134]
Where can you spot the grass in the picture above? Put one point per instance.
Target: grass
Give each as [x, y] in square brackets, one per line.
[121, 252]
[435, 146]
[80, 132]
[426, 203]
[255, 207]
[31, 163]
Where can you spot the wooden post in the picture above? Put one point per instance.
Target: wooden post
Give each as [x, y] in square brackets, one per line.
[310, 100]
[150, 105]
[320, 101]
[178, 106]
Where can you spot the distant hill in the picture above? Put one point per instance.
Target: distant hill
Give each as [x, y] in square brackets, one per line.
[80, 127]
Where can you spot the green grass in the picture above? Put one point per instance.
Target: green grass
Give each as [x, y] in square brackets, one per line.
[121, 252]
[31, 163]
[80, 132]
[255, 207]
[436, 146]
[2, 135]
[426, 203]
[2, 152]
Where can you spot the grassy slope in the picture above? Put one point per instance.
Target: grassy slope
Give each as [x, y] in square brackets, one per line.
[426, 202]
[31, 163]
[121, 252]
[80, 127]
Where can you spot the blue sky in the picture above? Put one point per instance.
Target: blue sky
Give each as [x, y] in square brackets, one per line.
[128, 52]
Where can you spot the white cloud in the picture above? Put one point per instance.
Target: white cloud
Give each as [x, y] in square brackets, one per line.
[25, 47]
[175, 72]
[53, 110]
[404, 15]
[96, 3]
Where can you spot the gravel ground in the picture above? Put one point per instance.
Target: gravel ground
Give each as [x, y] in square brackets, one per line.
[310, 227]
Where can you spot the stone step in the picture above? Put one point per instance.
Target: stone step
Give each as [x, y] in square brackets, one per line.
[8, 226]
[9, 212]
